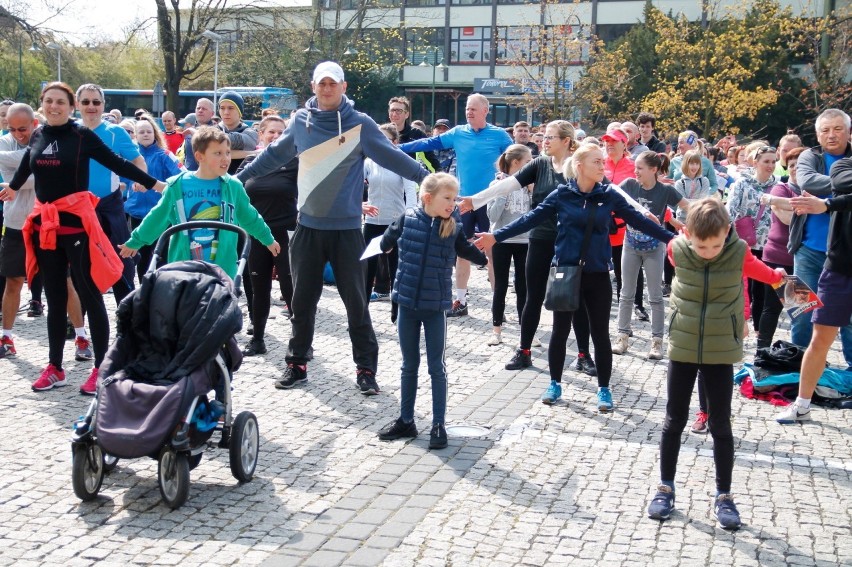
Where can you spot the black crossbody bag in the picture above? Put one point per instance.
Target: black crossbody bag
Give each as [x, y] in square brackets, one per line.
[563, 282]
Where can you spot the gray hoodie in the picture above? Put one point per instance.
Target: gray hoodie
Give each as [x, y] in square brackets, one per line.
[332, 146]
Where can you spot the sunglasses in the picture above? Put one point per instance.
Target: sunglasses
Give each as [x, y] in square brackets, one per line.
[397, 110]
[764, 150]
[87, 102]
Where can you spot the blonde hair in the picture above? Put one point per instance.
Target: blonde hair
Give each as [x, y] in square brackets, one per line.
[690, 157]
[512, 154]
[752, 148]
[431, 185]
[566, 130]
[569, 171]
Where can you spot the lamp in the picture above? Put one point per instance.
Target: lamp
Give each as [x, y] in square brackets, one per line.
[58, 48]
[215, 38]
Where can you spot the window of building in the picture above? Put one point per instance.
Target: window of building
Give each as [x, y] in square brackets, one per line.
[421, 44]
[425, 3]
[470, 45]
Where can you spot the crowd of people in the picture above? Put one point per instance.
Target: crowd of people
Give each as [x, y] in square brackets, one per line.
[713, 227]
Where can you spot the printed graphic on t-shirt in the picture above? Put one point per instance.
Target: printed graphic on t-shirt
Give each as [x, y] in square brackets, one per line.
[51, 149]
[203, 199]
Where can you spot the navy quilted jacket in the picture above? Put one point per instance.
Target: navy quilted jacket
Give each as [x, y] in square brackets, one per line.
[424, 276]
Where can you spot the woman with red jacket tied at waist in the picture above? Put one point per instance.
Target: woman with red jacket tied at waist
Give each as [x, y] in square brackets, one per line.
[63, 229]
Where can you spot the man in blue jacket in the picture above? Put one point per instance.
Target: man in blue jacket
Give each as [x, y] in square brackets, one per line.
[477, 144]
[332, 140]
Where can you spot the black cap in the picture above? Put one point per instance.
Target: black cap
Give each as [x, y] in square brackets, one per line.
[442, 122]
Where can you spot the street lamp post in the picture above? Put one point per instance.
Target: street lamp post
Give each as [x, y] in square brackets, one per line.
[20, 93]
[435, 66]
[58, 48]
[215, 38]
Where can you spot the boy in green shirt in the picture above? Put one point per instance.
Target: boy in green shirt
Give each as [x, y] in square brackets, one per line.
[206, 194]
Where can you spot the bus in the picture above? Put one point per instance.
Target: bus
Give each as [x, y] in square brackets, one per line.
[256, 100]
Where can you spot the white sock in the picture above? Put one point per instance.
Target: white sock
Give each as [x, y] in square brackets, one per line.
[81, 332]
[7, 333]
[803, 403]
[461, 295]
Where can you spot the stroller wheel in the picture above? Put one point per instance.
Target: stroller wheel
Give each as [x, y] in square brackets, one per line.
[110, 462]
[173, 476]
[245, 444]
[87, 470]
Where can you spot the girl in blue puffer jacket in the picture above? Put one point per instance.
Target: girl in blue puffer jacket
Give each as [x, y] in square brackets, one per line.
[428, 238]
[162, 164]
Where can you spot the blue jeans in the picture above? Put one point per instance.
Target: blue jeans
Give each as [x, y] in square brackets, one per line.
[808, 265]
[435, 330]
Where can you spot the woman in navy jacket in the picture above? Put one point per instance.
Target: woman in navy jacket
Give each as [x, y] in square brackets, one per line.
[572, 203]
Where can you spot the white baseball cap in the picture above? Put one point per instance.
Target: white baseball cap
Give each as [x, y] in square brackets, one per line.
[328, 69]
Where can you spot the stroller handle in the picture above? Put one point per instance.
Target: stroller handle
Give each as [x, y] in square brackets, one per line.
[243, 245]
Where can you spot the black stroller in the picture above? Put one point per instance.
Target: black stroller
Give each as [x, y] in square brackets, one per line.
[174, 346]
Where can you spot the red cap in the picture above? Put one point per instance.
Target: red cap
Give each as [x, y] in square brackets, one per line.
[615, 136]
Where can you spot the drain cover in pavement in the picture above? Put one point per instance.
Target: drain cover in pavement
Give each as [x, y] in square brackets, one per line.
[467, 430]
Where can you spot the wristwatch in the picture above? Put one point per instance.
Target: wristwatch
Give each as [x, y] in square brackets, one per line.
[827, 204]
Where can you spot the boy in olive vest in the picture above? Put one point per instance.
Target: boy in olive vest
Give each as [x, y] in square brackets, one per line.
[706, 332]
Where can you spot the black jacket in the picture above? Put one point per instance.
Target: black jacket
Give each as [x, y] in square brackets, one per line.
[275, 195]
[840, 227]
[409, 134]
[177, 320]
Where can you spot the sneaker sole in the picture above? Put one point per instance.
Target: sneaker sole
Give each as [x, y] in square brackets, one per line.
[370, 392]
[726, 528]
[660, 517]
[438, 445]
[549, 402]
[282, 386]
[396, 437]
[81, 358]
[796, 420]
[52, 386]
[603, 409]
[85, 393]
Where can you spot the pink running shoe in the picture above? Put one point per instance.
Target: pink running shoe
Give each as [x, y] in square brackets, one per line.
[90, 387]
[50, 378]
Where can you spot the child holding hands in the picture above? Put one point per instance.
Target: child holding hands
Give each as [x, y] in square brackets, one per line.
[705, 334]
[428, 238]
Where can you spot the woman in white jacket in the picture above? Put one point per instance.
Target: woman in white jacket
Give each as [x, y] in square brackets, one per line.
[390, 194]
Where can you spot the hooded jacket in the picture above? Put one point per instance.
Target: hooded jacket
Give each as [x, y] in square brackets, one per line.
[572, 207]
[160, 165]
[744, 201]
[332, 146]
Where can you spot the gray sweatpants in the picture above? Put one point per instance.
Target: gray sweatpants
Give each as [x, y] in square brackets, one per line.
[631, 262]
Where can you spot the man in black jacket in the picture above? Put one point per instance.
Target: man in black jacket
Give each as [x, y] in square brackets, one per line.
[647, 124]
[835, 285]
[399, 112]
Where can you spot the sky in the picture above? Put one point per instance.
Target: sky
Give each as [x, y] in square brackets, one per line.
[86, 20]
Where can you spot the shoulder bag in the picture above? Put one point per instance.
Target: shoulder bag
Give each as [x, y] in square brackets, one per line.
[563, 282]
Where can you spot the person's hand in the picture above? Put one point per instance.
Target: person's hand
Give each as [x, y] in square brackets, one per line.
[126, 252]
[275, 248]
[484, 241]
[187, 132]
[7, 193]
[808, 204]
[369, 210]
[651, 216]
[465, 205]
[765, 198]
[667, 180]
[159, 187]
[679, 226]
[139, 188]
[782, 273]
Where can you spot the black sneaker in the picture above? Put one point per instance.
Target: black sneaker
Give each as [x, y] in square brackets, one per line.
[520, 360]
[255, 347]
[294, 374]
[438, 437]
[667, 290]
[366, 381]
[458, 309]
[640, 312]
[584, 363]
[36, 309]
[250, 330]
[397, 430]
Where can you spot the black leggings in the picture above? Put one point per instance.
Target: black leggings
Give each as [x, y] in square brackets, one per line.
[502, 255]
[392, 258]
[539, 259]
[718, 389]
[640, 278]
[143, 256]
[772, 308]
[596, 300]
[756, 291]
[72, 251]
[260, 264]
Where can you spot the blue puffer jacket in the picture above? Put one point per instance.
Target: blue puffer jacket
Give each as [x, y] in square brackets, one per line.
[424, 276]
[161, 165]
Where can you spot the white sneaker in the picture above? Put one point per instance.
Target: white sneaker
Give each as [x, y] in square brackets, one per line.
[496, 339]
[619, 345]
[793, 413]
[656, 350]
[536, 343]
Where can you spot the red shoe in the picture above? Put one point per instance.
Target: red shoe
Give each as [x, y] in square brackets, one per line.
[90, 386]
[7, 347]
[50, 378]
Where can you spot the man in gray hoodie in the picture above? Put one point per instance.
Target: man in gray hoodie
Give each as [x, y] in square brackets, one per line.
[332, 140]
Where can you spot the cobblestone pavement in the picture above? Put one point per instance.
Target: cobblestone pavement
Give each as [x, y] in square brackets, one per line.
[545, 486]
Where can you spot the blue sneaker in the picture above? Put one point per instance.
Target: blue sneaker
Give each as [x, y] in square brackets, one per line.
[604, 400]
[726, 512]
[553, 393]
[662, 505]
[379, 296]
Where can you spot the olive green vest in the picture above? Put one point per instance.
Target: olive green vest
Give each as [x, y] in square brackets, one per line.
[706, 321]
